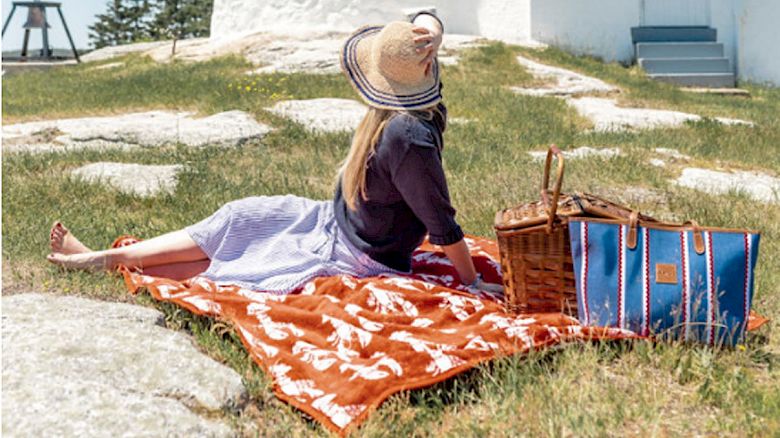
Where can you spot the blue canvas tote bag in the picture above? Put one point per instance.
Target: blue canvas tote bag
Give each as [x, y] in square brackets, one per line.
[684, 281]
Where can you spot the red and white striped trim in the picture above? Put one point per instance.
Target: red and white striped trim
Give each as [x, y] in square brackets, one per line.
[711, 292]
[748, 276]
[686, 284]
[584, 272]
[621, 292]
[645, 282]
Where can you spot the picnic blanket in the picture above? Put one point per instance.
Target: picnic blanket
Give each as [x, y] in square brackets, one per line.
[341, 345]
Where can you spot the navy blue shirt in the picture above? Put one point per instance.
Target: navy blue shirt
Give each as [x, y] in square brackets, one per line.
[407, 194]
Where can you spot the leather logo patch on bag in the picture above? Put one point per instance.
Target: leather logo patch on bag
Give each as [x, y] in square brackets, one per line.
[666, 273]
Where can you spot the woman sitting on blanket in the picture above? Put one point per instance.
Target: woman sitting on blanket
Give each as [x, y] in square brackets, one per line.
[391, 191]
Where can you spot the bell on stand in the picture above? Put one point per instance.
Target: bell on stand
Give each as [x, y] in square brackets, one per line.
[37, 19]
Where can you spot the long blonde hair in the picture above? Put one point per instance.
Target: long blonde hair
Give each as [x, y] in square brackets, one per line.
[353, 170]
[352, 173]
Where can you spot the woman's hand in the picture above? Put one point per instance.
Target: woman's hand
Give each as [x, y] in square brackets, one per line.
[459, 255]
[491, 288]
[428, 40]
[494, 290]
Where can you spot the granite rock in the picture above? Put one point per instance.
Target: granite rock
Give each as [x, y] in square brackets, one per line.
[78, 367]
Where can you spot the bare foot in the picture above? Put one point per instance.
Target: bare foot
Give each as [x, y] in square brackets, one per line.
[89, 261]
[62, 241]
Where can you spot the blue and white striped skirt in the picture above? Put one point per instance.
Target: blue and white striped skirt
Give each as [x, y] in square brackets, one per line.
[277, 243]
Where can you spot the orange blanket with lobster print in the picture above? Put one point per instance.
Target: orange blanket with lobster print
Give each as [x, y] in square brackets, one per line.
[340, 345]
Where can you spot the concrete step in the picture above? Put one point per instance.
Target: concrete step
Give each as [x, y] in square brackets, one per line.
[673, 34]
[709, 80]
[685, 65]
[679, 50]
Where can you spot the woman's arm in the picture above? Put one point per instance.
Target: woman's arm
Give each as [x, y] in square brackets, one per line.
[429, 22]
[459, 255]
[430, 31]
[419, 177]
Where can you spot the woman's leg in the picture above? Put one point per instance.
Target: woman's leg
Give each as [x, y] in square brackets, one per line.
[170, 248]
[63, 241]
[178, 271]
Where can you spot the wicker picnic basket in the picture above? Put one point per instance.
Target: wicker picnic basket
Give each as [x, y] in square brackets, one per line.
[533, 241]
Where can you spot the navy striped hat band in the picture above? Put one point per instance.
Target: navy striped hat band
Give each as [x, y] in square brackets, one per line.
[378, 88]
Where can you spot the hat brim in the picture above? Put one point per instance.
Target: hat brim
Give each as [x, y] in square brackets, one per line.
[378, 90]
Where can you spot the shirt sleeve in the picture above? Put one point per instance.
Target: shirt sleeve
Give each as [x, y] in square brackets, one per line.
[419, 177]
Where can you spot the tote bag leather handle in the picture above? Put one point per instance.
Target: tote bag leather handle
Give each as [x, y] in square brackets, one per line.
[633, 225]
[698, 237]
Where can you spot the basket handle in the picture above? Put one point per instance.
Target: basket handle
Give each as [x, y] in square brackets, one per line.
[552, 205]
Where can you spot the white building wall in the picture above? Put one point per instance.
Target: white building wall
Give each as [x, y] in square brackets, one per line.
[236, 18]
[723, 18]
[504, 20]
[758, 53]
[600, 28]
[458, 16]
[748, 29]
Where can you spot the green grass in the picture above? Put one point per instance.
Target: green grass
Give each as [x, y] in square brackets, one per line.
[584, 390]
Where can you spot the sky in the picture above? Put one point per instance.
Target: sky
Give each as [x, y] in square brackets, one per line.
[78, 15]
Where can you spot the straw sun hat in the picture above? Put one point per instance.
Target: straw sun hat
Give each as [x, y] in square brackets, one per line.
[383, 66]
